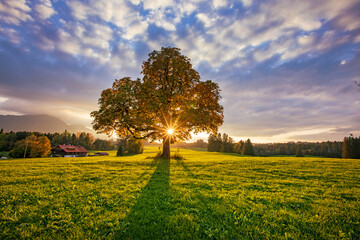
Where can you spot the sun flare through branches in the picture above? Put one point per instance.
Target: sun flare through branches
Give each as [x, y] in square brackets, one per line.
[170, 131]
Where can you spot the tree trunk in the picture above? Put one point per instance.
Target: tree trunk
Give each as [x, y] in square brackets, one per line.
[166, 148]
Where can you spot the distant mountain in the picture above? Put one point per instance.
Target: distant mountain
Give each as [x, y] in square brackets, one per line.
[38, 123]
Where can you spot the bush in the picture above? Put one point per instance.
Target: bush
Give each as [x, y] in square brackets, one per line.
[19, 148]
[130, 145]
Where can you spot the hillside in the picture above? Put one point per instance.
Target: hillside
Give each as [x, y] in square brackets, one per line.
[38, 123]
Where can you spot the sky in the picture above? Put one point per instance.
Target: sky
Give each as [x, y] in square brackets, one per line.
[286, 68]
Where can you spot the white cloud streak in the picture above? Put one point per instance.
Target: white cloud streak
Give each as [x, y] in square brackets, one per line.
[44, 9]
[14, 12]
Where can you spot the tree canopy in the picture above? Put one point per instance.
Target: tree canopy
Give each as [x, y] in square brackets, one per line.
[32, 146]
[168, 103]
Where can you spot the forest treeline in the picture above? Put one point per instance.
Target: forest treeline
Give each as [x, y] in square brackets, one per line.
[9, 139]
[224, 143]
[348, 148]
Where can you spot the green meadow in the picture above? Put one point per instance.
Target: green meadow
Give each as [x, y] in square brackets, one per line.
[203, 196]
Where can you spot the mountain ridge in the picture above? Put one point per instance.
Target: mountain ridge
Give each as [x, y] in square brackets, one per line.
[39, 123]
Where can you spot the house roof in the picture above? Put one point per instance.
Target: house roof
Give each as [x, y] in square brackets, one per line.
[72, 149]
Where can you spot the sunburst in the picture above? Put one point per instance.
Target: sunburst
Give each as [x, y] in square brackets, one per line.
[170, 131]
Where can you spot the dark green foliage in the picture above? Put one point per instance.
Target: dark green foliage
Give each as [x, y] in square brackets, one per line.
[8, 140]
[283, 150]
[228, 143]
[32, 146]
[135, 146]
[4, 142]
[120, 151]
[351, 147]
[299, 152]
[198, 144]
[326, 149]
[248, 148]
[19, 150]
[239, 147]
[211, 143]
[220, 143]
[130, 145]
[102, 145]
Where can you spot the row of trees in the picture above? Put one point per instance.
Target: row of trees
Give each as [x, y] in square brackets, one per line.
[351, 147]
[77, 139]
[245, 148]
[224, 143]
[32, 146]
[220, 143]
[326, 149]
[35, 144]
[87, 140]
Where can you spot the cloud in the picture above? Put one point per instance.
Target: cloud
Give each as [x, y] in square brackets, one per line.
[285, 68]
[123, 57]
[206, 19]
[275, 23]
[14, 12]
[247, 3]
[357, 39]
[119, 13]
[306, 40]
[219, 3]
[67, 43]
[156, 4]
[11, 34]
[3, 99]
[135, 29]
[44, 9]
[292, 99]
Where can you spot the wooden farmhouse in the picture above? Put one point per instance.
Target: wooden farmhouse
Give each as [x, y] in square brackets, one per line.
[68, 151]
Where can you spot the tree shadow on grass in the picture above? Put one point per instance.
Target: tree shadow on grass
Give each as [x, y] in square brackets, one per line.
[164, 213]
[148, 217]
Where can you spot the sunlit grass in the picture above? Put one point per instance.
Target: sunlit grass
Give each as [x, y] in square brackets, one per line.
[203, 196]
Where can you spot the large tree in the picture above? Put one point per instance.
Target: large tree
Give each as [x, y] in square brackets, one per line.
[168, 103]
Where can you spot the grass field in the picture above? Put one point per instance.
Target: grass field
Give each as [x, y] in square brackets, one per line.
[204, 196]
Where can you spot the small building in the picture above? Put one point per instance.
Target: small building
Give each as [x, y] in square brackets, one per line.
[68, 151]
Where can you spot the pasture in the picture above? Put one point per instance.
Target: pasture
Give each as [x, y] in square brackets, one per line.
[203, 196]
